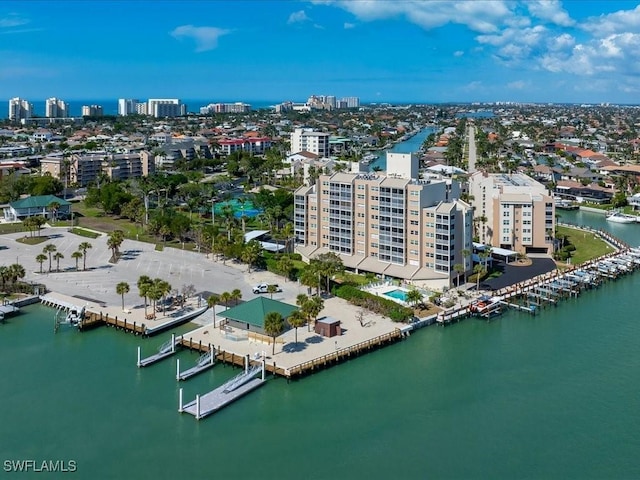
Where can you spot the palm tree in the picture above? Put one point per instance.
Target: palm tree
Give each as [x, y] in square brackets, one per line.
[114, 241]
[236, 295]
[285, 265]
[76, 256]
[327, 265]
[4, 273]
[144, 284]
[271, 289]
[414, 296]
[83, 247]
[225, 297]
[251, 252]
[296, 319]
[121, 289]
[478, 269]
[16, 271]
[154, 292]
[458, 268]
[273, 326]
[316, 304]
[53, 208]
[41, 258]
[57, 257]
[49, 249]
[163, 288]
[212, 301]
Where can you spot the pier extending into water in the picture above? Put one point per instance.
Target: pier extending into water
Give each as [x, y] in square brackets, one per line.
[230, 391]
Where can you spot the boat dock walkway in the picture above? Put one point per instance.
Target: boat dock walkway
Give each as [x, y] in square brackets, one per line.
[237, 387]
[136, 320]
[206, 361]
[8, 310]
[167, 349]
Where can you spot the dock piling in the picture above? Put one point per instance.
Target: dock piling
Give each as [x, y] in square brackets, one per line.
[178, 369]
[138, 357]
[180, 401]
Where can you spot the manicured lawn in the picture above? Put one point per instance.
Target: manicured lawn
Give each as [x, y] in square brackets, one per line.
[348, 277]
[32, 240]
[588, 246]
[12, 228]
[84, 233]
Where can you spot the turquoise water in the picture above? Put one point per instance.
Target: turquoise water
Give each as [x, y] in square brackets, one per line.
[411, 145]
[397, 294]
[550, 396]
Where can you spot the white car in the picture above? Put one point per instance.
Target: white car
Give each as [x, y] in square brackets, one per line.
[264, 288]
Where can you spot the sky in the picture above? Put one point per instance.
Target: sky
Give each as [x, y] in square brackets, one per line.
[400, 51]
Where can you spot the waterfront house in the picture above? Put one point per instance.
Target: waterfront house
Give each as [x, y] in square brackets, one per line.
[36, 206]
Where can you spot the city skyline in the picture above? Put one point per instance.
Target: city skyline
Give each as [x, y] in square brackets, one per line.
[380, 51]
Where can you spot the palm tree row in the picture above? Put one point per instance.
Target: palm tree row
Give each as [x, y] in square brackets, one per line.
[50, 251]
[154, 290]
[224, 297]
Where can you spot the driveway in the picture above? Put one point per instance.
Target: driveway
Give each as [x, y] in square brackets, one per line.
[512, 274]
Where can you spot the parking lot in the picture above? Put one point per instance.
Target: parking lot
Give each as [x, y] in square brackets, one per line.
[98, 282]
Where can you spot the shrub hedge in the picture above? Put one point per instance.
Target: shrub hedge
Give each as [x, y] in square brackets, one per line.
[376, 304]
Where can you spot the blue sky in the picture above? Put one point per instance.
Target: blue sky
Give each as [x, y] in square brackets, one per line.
[378, 50]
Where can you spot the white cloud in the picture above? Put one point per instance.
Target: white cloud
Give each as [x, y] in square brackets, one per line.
[517, 85]
[479, 15]
[12, 20]
[206, 38]
[550, 11]
[617, 22]
[458, 53]
[348, 25]
[298, 17]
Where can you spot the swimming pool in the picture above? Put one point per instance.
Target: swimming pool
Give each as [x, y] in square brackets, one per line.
[397, 294]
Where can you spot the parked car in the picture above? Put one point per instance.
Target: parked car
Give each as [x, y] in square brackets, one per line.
[264, 288]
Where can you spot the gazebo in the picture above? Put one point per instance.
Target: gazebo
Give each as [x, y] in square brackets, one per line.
[250, 315]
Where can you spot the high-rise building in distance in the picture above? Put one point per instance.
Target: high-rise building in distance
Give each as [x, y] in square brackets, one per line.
[92, 111]
[166, 107]
[56, 108]
[127, 106]
[19, 109]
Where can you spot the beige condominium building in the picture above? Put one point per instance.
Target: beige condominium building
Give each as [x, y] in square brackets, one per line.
[512, 211]
[85, 168]
[408, 228]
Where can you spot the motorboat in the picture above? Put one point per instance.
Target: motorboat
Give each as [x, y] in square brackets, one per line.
[619, 217]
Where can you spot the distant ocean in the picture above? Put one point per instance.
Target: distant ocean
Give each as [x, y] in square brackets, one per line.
[110, 106]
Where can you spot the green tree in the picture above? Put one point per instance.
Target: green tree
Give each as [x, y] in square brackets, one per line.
[478, 269]
[458, 268]
[251, 253]
[225, 297]
[54, 207]
[285, 266]
[57, 257]
[212, 301]
[273, 326]
[114, 241]
[16, 272]
[121, 289]
[271, 289]
[77, 255]
[49, 249]
[41, 258]
[236, 295]
[83, 247]
[327, 265]
[144, 284]
[296, 320]
[414, 296]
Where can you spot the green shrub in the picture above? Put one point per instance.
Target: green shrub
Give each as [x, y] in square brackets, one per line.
[376, 304]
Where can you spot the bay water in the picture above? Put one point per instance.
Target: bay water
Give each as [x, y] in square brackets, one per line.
[550, 396]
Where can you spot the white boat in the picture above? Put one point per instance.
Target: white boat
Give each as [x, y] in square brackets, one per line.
[74, 317]
[619, 217]
[367, 159]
